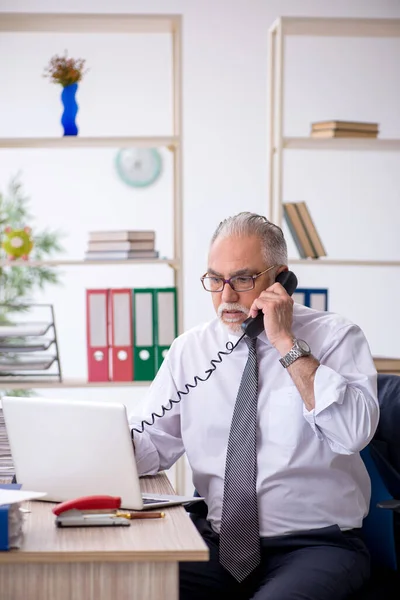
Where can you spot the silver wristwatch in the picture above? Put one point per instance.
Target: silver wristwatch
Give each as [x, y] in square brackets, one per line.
[300, 348]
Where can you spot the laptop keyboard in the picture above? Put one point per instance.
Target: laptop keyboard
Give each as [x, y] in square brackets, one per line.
[155, 501]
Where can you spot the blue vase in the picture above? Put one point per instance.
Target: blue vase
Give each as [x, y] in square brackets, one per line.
[70, 109]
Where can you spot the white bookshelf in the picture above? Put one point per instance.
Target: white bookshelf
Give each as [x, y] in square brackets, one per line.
[91, 23]
[278, 143]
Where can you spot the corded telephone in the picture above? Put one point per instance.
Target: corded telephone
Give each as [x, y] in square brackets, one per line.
[252, 327]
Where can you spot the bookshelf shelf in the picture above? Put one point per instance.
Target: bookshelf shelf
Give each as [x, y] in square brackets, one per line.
[318, 262]
[68, 383]
[372, 145]
[90, 142]
[89, 23]
[340, 27]
[88, 263]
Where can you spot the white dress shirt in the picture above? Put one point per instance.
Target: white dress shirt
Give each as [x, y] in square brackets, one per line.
[310, 473]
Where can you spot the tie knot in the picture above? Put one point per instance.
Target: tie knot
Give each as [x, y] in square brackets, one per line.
[251, 343]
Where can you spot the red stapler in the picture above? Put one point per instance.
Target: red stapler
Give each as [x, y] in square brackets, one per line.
[88, 503]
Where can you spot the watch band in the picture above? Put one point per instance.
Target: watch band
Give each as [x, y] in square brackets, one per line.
[296, 352]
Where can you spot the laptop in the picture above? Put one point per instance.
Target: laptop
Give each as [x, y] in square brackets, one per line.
[73, 448]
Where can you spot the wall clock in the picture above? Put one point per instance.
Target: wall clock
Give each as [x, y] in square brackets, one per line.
[138, 167]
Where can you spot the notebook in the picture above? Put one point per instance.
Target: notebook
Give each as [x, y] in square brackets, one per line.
[71, 448]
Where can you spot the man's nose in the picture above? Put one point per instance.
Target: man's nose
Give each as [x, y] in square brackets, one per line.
[228, 294]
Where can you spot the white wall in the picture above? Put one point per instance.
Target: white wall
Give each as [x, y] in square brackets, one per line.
[356, 206]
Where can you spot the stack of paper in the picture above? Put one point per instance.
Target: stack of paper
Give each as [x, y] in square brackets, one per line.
[6, 462]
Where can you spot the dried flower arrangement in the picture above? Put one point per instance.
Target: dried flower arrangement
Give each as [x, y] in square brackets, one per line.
[65, 71]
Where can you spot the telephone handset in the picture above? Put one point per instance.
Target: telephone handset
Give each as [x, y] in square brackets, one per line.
[253, 326]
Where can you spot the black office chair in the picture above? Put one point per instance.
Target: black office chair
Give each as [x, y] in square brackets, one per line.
[381, 528]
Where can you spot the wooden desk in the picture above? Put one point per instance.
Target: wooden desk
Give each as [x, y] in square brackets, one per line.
[139, 562]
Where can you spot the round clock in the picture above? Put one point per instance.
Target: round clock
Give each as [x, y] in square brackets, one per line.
[138, 167]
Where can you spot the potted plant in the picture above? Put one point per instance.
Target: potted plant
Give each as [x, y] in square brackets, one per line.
[67, 72]
[18, 285]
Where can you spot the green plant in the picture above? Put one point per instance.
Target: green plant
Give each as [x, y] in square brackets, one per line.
[65, 71]
[18, 284]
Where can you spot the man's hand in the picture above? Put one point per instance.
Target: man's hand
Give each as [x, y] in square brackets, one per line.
[277, 306]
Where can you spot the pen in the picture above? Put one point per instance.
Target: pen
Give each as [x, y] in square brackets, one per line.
[126, 515]
[140, 515]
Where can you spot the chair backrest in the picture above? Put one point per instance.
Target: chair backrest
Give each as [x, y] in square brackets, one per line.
[382, 459]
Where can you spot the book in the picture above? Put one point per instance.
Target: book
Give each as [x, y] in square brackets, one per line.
[310, 228]
[337, 133]
[126, 245]
[122, 236]
[298, 231]
[345, 125]
[122, 255]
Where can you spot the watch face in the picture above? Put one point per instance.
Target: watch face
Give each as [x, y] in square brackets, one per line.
[303, 346]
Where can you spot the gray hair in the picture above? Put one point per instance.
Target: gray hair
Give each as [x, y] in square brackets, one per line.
[247, 224]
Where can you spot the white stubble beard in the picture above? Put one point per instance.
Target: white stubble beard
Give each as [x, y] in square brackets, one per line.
[232, 326]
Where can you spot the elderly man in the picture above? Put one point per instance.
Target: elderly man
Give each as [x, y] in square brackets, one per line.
[273, 436]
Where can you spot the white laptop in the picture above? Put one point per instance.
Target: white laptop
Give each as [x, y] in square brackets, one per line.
[73, 448]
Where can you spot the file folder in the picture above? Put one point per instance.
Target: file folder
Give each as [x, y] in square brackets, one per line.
[121, 328]
[98, 348]
[144, 359]
[316, 298]
[5, 534]
[166, 321]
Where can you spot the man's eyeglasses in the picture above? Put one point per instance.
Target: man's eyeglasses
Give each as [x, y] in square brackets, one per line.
[239, 283]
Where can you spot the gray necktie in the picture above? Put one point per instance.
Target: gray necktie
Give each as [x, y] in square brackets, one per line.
[239, 550]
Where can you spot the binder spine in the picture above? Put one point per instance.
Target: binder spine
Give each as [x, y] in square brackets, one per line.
[4, 533]
[121, 334]
[144, 360]
[166, 311]
[97, 317]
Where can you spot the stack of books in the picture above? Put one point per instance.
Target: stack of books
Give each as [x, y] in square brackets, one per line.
[303, 230]
[344, 129]
[121, 245]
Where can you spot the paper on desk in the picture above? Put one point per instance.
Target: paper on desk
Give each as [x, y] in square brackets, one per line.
[12, 496]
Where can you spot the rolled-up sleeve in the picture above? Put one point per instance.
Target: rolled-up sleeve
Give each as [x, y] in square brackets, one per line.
[156, 429]
[346, 409]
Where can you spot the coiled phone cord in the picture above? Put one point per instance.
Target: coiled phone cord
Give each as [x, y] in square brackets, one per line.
[188, 386]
